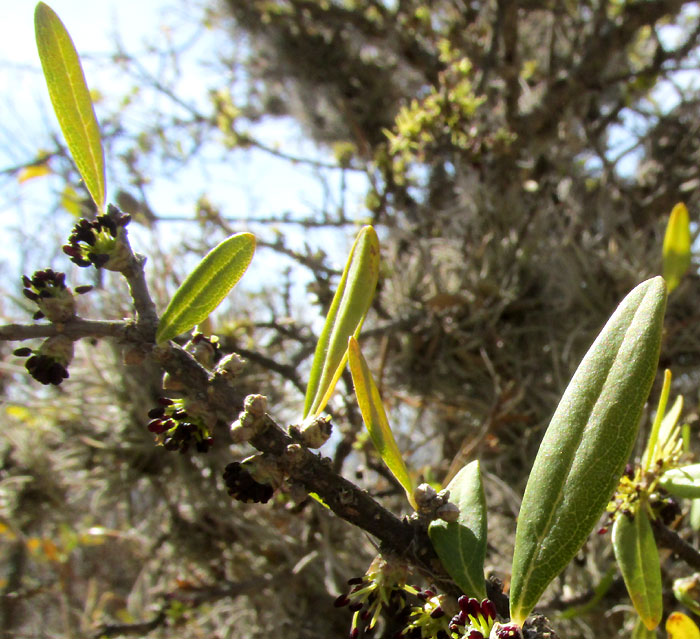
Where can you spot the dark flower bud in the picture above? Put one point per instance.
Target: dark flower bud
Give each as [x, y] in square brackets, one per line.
[170, 443]
[157, 426]
[488, 609]
[205, 350]
[669, 511]
[507, 631]
[242, 486]
[474, 607]
[30, 295]
[47, 289]
[49, 365]
[100, 242]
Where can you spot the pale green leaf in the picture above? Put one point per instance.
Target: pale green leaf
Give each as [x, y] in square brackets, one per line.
[206, 286]
[650, 452]
[461, 545]
[686, 590]
[694, 517]
[638, 558]
[676, 250]
[683, 481]
[71, 100]
[586, 445]
[374, 416]
[345, 316]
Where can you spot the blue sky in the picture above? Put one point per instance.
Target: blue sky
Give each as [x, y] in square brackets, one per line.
[246, 183]
[243, 184]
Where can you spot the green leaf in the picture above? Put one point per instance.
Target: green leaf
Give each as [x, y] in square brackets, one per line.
[638, 558]
[374, 416]
[347, 312]
[640, 631]
[683, 481]
[586, 445]
[461, 545]
[206, 286]
[676, 249]
[694, 517]
[680, 626]
[71, 99]
[686, 590]
[651, 451]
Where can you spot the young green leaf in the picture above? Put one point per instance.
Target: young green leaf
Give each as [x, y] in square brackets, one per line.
[638, 558]
[694, 517]
[461, 545]
[71, 99]
[686, 590]
[374, 416]
[680, 626]
[651, 451]
[347, 312]
[206, 286]
[586, 445]
[683, 481]
[676, 250]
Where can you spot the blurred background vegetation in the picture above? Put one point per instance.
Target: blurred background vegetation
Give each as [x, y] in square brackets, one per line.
[519, 160]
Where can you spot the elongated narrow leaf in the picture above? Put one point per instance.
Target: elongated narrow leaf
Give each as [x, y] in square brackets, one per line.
[461, 545]
[640, 631]
[71, 99]
[347, 312]
[638, 558]
[586, 445]
[374, 416]
[206, 286]
[676, 249]
[680, 626]
[694, 517]
[683, 481]
[650, 453]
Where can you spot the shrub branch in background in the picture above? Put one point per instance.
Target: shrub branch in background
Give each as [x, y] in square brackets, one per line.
[583, 468]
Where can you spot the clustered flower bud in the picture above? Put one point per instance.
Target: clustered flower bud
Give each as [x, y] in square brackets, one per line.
[665, 507]
[383, 585]
[176, 429]
[250, 419]
[206, 350]
[435, 505]
[506, 631]
[230, 366]
[474, 620]
[428, 619]
[242, 485]
[100, 242]
[315, 432]
[49, 364]
[48, 290]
